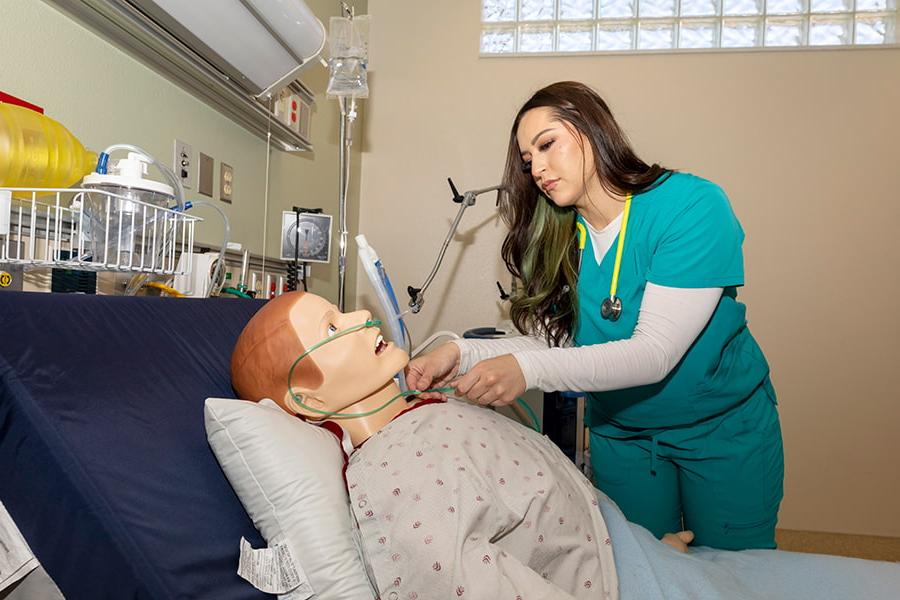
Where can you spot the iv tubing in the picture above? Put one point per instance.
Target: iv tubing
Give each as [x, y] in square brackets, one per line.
[346, 136]
[266, 195]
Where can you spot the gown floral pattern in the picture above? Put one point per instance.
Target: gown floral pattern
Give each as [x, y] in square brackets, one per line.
[455, 501]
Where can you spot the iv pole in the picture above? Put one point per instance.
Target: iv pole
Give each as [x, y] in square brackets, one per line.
[346, 137]
[345, 127]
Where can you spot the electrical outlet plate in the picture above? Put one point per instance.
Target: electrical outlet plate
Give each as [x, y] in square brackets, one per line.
[182, 163]
[205, 179]
[226, 182]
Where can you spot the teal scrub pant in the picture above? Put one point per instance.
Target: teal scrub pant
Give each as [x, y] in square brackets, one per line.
[721, 478]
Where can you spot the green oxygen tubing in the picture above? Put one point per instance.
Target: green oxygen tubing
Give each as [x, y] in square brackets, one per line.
[373, 323]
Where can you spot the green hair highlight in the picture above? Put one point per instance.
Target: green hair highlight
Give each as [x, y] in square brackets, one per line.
[548, 273]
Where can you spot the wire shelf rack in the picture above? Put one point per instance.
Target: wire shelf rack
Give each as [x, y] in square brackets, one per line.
[93, 230]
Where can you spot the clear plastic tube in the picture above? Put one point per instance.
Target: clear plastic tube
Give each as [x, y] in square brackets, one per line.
[226, 234]
[164, 169]
[432, 339]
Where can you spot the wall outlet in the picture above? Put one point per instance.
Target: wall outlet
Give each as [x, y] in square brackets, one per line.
[294, 112]
[205, 179]
[226, 182]
[182, 162]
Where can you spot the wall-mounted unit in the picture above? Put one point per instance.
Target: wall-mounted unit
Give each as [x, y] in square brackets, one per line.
[232, 54]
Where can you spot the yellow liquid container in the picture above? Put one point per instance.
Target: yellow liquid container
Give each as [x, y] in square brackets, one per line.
[36, 151]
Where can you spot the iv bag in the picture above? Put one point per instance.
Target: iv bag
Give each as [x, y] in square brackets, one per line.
[349, 46]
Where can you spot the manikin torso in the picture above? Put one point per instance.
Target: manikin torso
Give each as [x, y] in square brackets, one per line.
[454, 500]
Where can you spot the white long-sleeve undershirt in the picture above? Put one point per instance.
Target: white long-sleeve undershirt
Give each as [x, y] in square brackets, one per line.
[669, 321]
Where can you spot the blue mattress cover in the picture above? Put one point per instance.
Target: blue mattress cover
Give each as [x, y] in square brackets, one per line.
[104, 463]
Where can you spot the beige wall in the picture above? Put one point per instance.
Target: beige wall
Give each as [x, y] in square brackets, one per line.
[804, 142]
[104, 96]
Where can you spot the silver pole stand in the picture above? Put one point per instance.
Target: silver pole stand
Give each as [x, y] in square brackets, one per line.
[342, 205]
[346, 134]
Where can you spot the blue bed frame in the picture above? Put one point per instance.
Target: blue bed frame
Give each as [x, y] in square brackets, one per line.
[104, 463]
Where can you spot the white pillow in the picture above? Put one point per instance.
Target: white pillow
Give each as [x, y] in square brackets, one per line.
[288, 475]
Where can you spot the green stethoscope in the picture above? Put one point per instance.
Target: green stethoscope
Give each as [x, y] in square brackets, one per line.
[611, 307]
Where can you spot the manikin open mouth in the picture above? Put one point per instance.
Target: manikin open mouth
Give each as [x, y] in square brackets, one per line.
[380, 344]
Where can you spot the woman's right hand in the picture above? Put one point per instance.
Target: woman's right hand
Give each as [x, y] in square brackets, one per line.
[679, 541]
[433, 370]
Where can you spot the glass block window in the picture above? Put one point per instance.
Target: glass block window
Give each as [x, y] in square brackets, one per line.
[527, 27]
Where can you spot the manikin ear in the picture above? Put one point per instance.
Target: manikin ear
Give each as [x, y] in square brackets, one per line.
[308, 398]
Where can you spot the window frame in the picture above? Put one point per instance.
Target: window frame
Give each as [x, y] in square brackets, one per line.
[762, 21]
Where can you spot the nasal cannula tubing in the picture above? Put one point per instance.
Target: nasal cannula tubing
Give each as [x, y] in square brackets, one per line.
[373, 323]
[296, 397]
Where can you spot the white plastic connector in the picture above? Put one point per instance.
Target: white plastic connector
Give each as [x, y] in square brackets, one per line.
[134, 166]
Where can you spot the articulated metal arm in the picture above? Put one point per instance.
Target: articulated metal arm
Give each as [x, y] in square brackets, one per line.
[417, 295]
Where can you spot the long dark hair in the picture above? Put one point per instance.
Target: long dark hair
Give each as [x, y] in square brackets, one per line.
[541, 248]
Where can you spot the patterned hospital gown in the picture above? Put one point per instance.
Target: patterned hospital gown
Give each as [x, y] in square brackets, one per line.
[455, 501]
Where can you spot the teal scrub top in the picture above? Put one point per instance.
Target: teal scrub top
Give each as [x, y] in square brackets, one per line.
[681, 233]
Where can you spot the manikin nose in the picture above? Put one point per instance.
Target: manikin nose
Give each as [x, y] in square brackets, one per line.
[358, 317]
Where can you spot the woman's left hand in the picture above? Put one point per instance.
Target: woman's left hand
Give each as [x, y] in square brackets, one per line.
[493, 382]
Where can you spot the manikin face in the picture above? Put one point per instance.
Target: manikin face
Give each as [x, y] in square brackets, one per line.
[354, 365]
[562, 162]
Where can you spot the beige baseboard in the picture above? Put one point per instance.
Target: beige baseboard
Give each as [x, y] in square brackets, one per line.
[871, 547]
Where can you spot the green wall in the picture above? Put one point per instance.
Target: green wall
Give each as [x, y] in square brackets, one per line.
[104, 96]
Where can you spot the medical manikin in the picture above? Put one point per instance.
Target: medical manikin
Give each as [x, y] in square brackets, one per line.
[451, 499]
[455, 501]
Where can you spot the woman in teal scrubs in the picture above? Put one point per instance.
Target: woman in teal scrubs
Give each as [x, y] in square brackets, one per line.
[629, 278]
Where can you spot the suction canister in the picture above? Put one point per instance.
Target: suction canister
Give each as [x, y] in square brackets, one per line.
[119, 212]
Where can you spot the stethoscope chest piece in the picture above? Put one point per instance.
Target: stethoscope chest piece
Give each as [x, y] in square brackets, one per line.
[611, 308]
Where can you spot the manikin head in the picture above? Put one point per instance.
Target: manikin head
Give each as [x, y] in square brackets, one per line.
[352, 374]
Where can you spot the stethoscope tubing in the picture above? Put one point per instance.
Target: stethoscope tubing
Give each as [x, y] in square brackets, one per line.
[611, 308]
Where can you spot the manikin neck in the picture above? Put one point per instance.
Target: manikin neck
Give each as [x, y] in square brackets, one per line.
[362, 428]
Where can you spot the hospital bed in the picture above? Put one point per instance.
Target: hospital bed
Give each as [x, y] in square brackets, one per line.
[104, 463]
[106, 469]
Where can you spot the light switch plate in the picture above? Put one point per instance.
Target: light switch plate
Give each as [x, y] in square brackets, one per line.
[205, 179]
[226, 182]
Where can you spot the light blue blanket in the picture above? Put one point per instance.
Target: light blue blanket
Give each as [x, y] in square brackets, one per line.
[649, 570]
